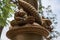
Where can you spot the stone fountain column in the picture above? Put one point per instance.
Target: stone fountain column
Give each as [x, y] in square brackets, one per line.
[29, 27]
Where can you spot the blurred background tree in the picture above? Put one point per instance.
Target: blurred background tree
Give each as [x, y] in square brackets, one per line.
[51, 16]
[5, 12]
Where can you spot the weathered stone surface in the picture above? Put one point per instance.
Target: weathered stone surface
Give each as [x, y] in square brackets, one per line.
[28, 28]
[28, 36]
[27, 23]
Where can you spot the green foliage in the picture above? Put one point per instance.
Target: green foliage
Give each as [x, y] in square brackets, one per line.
[5, 11]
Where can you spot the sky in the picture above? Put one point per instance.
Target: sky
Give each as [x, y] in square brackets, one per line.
[55, 6]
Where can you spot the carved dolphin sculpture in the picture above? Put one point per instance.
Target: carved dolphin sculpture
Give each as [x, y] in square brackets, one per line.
[30, 11]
